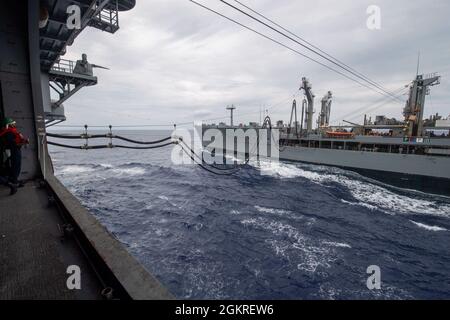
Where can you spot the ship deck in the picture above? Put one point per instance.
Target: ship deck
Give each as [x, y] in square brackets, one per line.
[33, 255]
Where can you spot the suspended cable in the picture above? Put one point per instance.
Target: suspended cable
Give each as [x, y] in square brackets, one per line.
[111, 136]
[287, 47]
[319, 52]
[141, 142]
[373, 106]
[235, 167]
[111, 146]
[204, 167]
[84, 147]
[180, 142]
[75, 137]
[107, 146]
[127, 126]
[144, 148]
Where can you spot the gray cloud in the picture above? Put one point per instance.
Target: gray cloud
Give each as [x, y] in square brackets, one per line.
[172, 61]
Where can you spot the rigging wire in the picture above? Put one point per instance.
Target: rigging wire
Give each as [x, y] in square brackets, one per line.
[371, 107]
[204, 167]
[230, 170]
[328, 57]
[127, 126]
[251, 152]
[288, 47]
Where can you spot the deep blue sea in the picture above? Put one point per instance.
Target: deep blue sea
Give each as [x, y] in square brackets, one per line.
[299, 231]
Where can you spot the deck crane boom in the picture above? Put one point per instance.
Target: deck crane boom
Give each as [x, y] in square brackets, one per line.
[306, 87]
[325, 112]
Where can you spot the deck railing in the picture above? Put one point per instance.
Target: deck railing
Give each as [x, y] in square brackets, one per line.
[63, 65]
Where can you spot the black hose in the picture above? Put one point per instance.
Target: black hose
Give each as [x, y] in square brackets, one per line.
[63, 145]
[210, 165]
[105, 146]
[143, 148]
[60, 136]
[205, 168]
[79, 137]
[97, 136]
[94, 136]
[141, 142]
[109, 146]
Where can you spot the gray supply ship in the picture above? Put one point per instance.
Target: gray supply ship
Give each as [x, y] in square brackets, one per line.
[406, 153]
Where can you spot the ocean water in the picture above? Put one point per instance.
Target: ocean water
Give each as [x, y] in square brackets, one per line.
[299, 231]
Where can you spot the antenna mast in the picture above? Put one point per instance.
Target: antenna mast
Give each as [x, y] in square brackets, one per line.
[232, 108]
[418, 63]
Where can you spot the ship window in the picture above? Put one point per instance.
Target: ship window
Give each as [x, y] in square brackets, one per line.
[352, 146]
[326, 144]
[381, 148]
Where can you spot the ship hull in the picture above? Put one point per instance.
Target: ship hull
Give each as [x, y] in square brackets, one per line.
[428, 173]
[425, 173]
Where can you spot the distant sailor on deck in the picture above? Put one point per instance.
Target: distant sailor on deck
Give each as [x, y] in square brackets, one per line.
[11, 141]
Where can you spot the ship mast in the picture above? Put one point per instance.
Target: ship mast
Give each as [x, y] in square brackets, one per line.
[414, 109]
[231, 109]
[306, 87]
[325, 112]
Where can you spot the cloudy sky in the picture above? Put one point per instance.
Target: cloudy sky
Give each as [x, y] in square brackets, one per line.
[173, 62]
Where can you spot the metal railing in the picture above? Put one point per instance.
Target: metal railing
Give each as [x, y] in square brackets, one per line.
[106, 17]
[430, 75]
[63, 65]
[109, 16]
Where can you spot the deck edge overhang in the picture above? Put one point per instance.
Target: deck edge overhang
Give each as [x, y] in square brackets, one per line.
[135, 280]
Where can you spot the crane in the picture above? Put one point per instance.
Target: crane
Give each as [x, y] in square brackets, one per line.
[306, 87]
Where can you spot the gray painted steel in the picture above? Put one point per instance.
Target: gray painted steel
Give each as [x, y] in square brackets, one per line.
[33, 258]
[438, 167]
[16, 79]
[413, 164]
[435, 142]
[134, 278]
